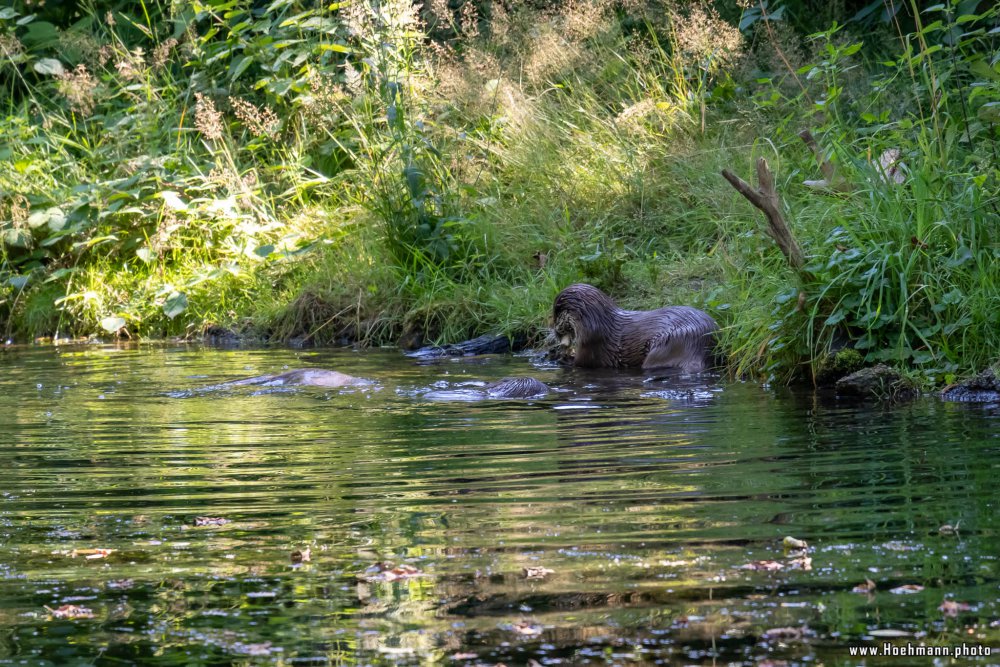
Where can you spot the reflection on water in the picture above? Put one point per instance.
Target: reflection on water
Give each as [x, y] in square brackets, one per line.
[146, 521]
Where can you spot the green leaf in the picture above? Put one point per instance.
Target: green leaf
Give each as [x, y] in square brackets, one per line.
[264, 250]
[176, 303]
[336, 48]
[113, 324]
[17, 238]
[18, 282]
[40, 34]
[49, 66]
[834, 319]
[57, 219]
[173, 200]
[145, 254]
[240, 66]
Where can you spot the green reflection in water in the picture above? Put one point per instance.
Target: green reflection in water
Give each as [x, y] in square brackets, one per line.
[644, 498]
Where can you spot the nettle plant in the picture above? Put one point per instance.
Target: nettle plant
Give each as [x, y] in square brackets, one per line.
[903, 266]
[178, 136]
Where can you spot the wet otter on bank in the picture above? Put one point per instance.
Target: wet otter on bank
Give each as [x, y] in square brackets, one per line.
[606, 336]
[311, 377]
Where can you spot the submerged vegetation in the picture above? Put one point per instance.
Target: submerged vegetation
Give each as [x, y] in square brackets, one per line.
[370, 171]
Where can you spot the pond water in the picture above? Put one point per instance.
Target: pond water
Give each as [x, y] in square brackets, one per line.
[145, 520]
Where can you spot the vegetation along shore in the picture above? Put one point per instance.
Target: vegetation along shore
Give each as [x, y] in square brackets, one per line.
[378, 172]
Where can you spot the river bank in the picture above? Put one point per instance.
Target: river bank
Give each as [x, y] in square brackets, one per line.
[390, 188]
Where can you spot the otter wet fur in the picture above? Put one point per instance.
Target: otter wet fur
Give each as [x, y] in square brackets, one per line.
[310, 377]
[606, 336]
[517, 387]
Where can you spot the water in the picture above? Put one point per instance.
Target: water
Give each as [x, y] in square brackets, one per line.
[658, 506]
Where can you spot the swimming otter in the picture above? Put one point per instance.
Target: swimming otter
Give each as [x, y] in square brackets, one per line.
[605, 336]
[516, 387]
[510, 388]
[313, 377]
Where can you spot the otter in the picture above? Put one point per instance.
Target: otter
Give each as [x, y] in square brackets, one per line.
[312, 377]
[510, 387]
[516, 387]
[507, 388]
[606, 336]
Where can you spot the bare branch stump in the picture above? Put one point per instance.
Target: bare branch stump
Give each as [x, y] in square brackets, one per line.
[765, 198]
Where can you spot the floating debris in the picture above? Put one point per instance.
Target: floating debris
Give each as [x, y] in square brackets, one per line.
[527, 628]
[948, 529]
[386, 571]
[210, 521]
[303, 556]
[906, 589]
[70, 611]
[765, 565]
[787, 634]
[866, 587]
[951, 608]
[792, 543]
[537, 572]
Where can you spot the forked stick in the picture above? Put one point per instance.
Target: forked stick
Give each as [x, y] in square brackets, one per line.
[765, 197]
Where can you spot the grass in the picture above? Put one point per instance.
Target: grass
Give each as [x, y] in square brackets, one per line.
[365, 184]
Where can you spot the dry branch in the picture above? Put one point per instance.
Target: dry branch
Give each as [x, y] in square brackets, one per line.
[765, 197]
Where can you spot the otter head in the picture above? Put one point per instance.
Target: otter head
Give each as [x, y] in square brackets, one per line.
[585, 319]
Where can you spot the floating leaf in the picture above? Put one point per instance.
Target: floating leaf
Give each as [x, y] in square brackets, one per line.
[389, 572]
[70, 611]
[951, 608]
[906, 589]
[210, 521]
[526, 628]
[537, 572]
[801, 563]
[765, 565]
[91, 554]
[866, 587]
[786, 634]
[792, 543]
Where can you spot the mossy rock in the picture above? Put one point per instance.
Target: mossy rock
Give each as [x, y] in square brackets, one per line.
[984, 388]
[837, 365]
[879, 382]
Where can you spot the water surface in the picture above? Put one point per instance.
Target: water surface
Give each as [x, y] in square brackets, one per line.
[659, 506]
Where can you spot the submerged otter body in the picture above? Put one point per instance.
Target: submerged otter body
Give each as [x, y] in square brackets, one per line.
[517, 387]
[606, 336]
[312, 377]
[507, 388]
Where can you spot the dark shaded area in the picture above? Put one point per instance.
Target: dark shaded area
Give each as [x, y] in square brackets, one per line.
[487, 344]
